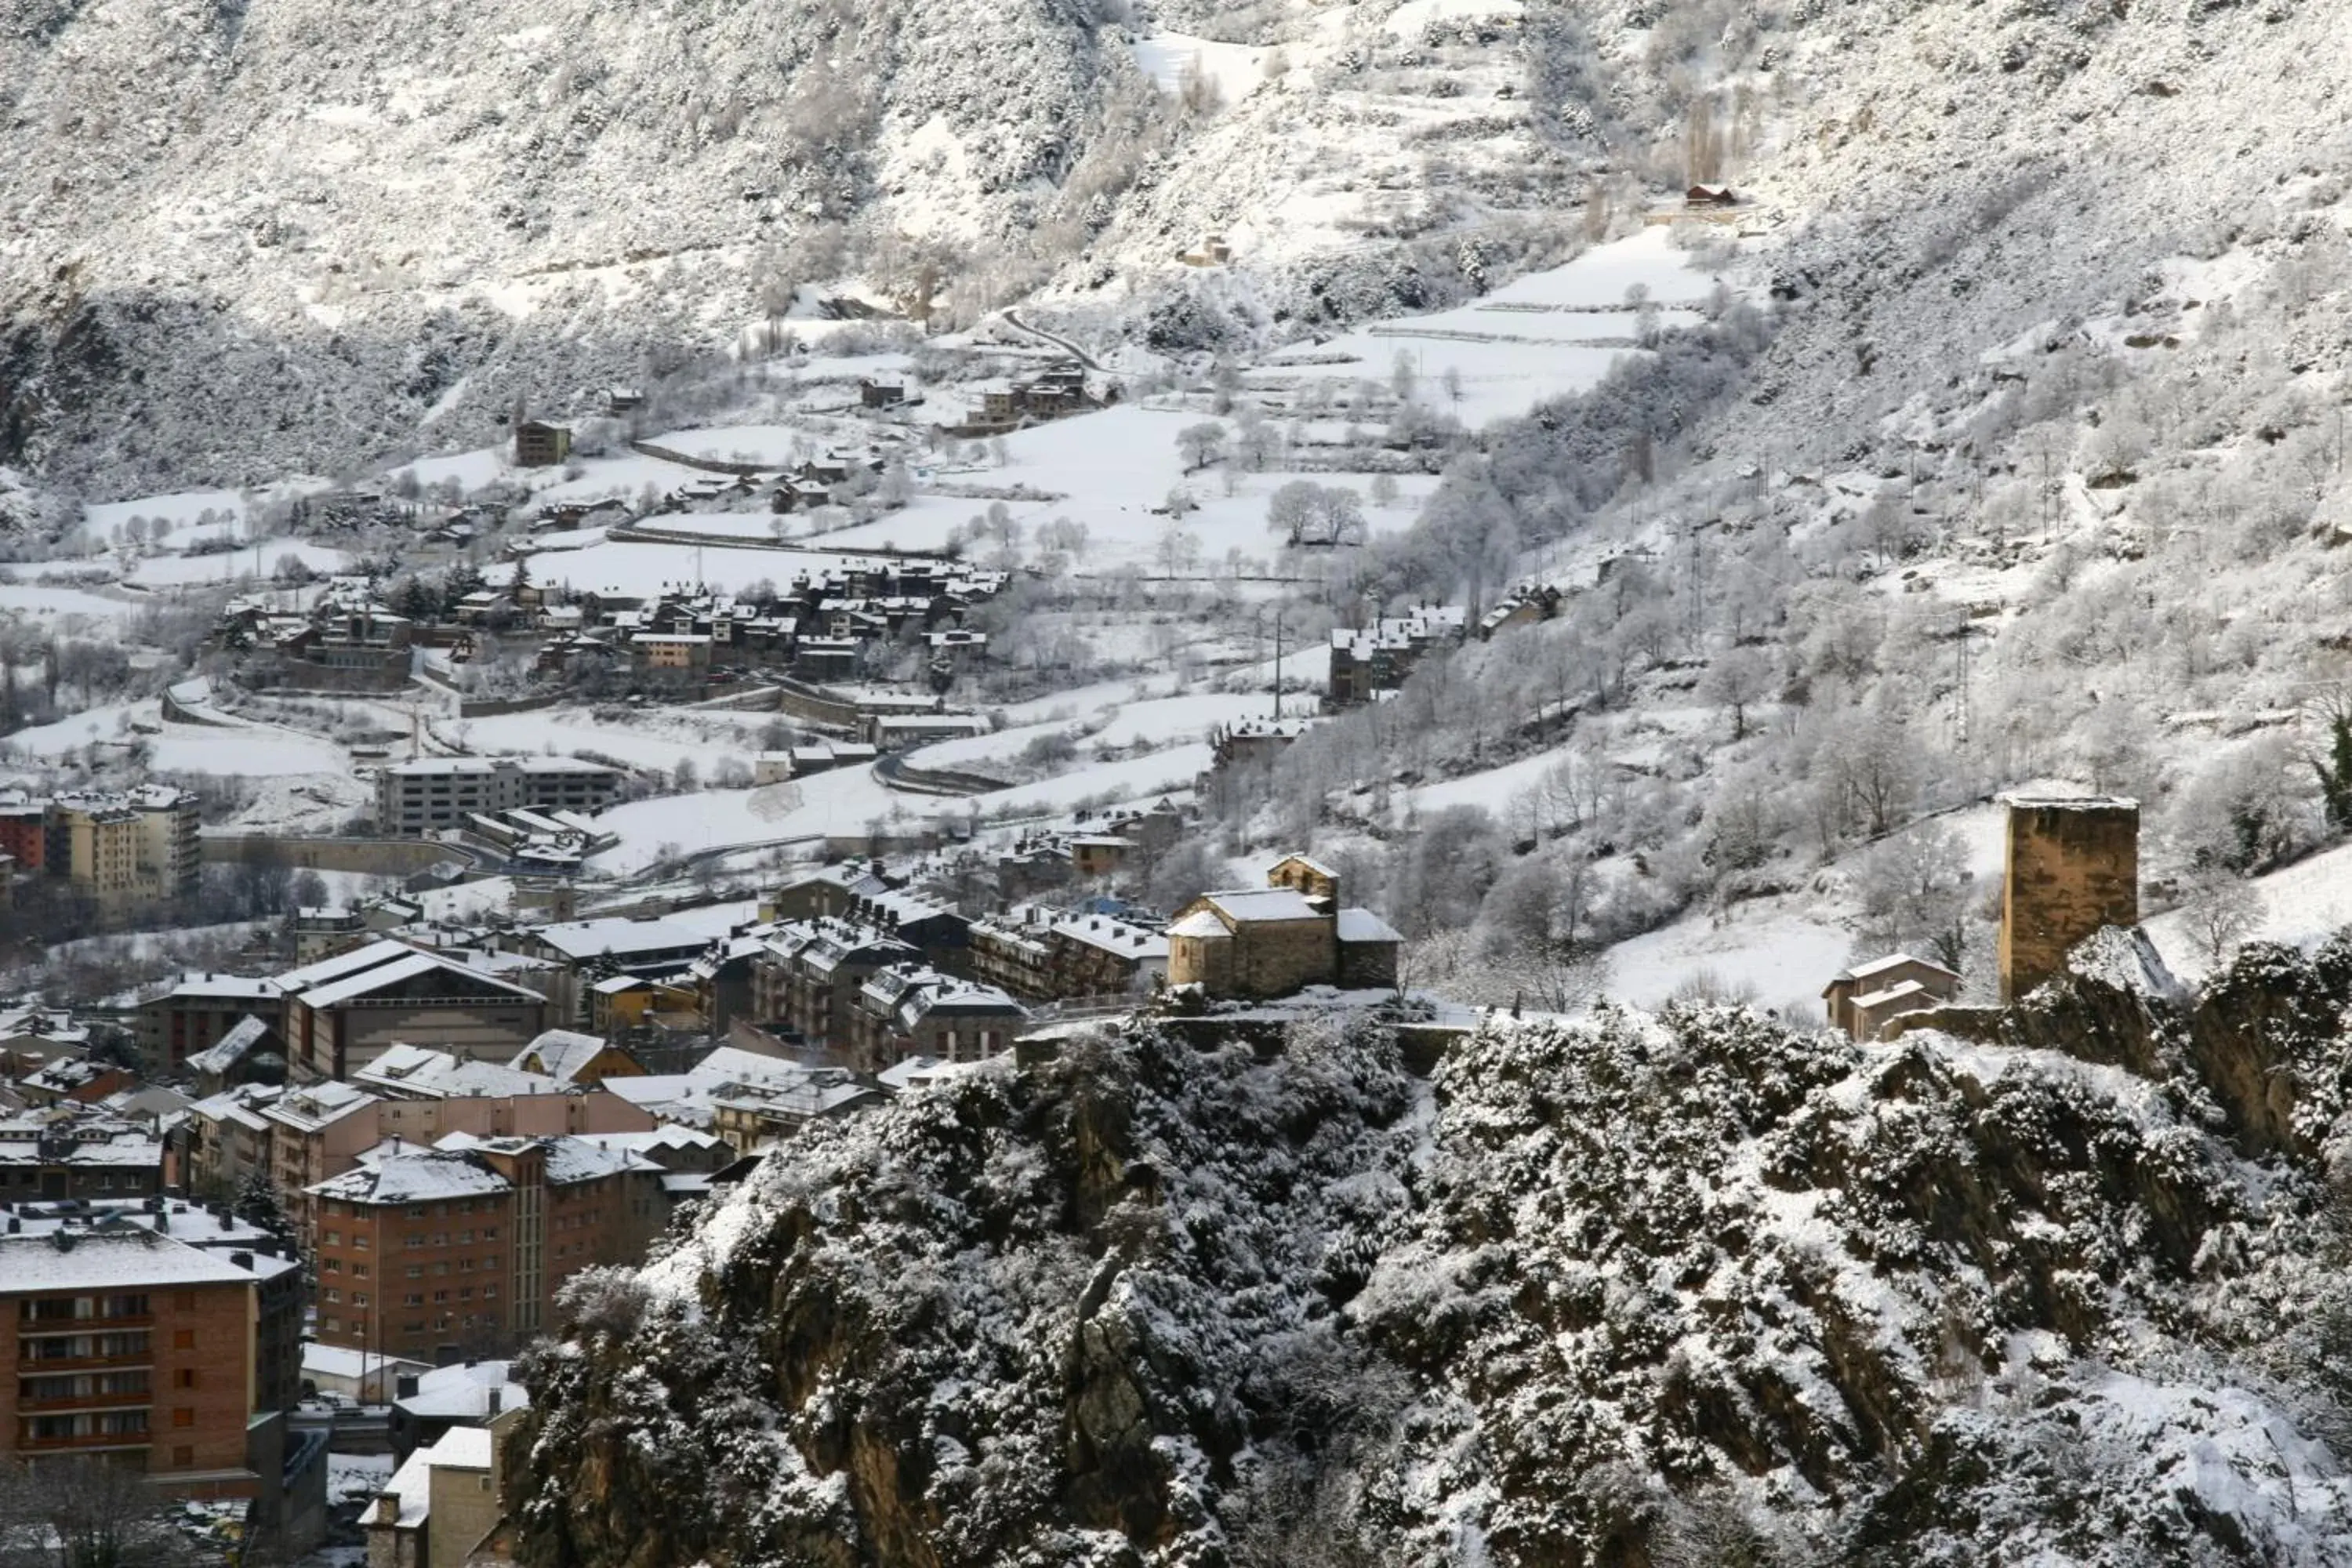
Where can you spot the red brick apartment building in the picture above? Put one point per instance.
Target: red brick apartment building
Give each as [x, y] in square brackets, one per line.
[132, 1346]
[450, 1252]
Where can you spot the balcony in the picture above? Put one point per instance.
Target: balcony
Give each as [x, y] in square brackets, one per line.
[72, 1403]
[50, 1328]
[43, 1367]
[86, 1442]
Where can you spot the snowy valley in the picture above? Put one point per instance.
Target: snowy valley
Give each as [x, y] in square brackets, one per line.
[1221, 692]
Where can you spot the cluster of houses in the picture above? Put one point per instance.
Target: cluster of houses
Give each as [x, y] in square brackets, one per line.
[1054, 392]
[816, 625]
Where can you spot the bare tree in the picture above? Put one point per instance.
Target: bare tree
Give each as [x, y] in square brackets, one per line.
[1201, 445]
[80, 1511]
[2220, 913]
[1737, 680]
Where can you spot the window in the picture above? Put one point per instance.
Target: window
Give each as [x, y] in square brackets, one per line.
[416, 1211]
[333, 1295]
[489, 1233]
[331, 1238]
[184, 1339]
[183, 1415]
[416, 1240]
[186, 1377]
[359, 1271]
[414, 1298]
[360, 1242]
[359, 1298]
[416, 1271]
[331, 1265]
[489, 1293]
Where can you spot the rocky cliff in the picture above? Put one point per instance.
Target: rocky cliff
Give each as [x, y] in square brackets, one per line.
[1685, 1288]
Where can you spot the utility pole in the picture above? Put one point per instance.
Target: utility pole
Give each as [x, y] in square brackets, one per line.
[1961, 715]
[1278, 662]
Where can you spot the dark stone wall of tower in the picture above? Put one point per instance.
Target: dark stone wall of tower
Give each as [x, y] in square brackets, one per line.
[2073, 867]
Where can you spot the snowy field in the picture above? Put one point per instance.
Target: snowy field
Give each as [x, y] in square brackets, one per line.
[1115, 469]
[628, 566]
[68, 608]
[253, 750]
[1163, 722]
[1517, 347]
[2302, 904]
[851, 801]
[666, 737]
[1236, 70]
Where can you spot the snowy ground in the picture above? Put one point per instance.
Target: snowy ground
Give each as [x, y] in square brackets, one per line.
[1546, 335]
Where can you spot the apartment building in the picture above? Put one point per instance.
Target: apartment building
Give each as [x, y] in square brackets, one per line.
[210, 1227]
[325, 1129]
[808, 976]
[132, 1346]
[127, 846]
[343, 1012]
[195, 1012]
[441, 1252]
[429, 794]
[77, 1153]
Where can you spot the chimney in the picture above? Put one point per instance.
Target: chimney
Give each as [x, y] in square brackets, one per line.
[496, 1397]
[242, 1260]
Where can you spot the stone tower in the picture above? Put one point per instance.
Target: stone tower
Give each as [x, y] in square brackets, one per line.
[2073, 867]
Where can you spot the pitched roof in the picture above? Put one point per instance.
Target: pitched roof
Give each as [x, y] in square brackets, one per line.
[1362, 925]
[95, 1259]
[416, 963]
[560, 1053]
[232, 1047]
[1247, 904]
[1199, 923]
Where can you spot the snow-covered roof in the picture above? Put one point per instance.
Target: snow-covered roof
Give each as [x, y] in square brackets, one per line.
[242, 1105]
[318, 1104]
[1901, 990]
[231, 1047]
[426, 1175]
[1362, 925]
[88, 1140]
[94, 1260]
[1111, 934]
[1892, 961]
[226, 987]
[408, 968]
[560, 1053]
[462, 1392]
[459, 1448]
[381, 951]
[337, 1360]
[1264, 904]
[1199, 923]
[419, 1072]
[1309, 861]
[619, 936]
[2070, 801]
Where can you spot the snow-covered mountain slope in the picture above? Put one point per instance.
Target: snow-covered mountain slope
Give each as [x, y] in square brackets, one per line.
[1685, 1288]
[294, 235]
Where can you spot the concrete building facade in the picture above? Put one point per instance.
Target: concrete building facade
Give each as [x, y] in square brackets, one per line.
[431, 794]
